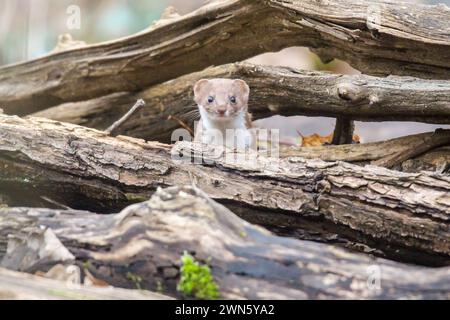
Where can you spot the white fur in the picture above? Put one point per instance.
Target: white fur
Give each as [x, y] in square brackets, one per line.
[224, 131]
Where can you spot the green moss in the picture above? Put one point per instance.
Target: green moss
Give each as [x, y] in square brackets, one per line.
[135, 279]
[87, 264]
[319, 65]
[196, 279]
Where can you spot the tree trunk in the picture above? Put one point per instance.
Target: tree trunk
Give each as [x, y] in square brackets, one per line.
[148, 239]
[402, 214]
[274, 90]
[376, 38]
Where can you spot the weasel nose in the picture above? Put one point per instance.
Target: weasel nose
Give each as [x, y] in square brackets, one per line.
[221, 111]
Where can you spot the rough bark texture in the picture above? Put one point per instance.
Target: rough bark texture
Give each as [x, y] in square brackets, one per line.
[274, 90]
[377, 37]
[85, 168]
[380, 153]
[437, 139]
[148, 239]
[22, 286]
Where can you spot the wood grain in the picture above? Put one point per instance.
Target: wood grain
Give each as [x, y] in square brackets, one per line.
[148, 239]
[274, 90]
[86, 169]
[377, 37]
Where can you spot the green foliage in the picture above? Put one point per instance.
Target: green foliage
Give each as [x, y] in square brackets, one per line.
[196, 280]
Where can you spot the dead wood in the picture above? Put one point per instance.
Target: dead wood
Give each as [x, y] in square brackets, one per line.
[378, 153]
[343, 131]
[147, 240]
[375, 37]
[22, 286]
[274, 90]
[113, 129]
[437, 139]
[83, 168]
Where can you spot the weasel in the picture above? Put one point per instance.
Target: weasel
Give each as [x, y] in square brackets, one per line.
[223, 107]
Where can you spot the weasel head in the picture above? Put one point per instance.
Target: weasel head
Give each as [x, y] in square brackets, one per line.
[221, 99]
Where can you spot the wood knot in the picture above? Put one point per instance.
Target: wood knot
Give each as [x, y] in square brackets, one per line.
[66, 42]
[373, 99]
[351, 92]
[170, 13]
[274, 108]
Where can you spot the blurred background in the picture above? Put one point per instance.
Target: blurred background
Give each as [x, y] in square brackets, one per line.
[30, 28]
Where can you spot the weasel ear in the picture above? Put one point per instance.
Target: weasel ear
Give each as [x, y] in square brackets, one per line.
[244, 89]
[199, 89]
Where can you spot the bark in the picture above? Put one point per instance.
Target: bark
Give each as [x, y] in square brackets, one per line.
[438, 139]
[381, 153]
[22, 286]
[148, 239]
[376, 37]
[403, 214]
[274, 90]
[343, 131]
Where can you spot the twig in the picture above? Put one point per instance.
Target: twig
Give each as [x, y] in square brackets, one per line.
[181, 123]
[54, 202]
[113, 128]
[441, 137]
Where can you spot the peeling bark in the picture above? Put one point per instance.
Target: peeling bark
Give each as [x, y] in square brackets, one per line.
[148, 239]
[84, 168]
[379, 37]
[274, 90]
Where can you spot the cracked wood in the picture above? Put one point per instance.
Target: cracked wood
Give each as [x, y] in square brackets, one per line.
[85, 168]
[274, 90]
[377, 37]
[148, 239]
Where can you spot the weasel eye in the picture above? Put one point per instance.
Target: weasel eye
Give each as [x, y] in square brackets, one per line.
[233, 99]
[210, 99]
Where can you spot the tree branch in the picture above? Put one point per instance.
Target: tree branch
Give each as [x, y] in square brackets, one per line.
[343, 131]
[116, 125]
[274, 90]
[438, 139]
[376, 37]
[147, 241]
[103, 174]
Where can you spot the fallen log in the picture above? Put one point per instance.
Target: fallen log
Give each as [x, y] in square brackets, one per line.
[381, 153]
[274, 90]
[405, 215]
[438, 139]
[148, 239]
[377, 38]
[22, 286]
